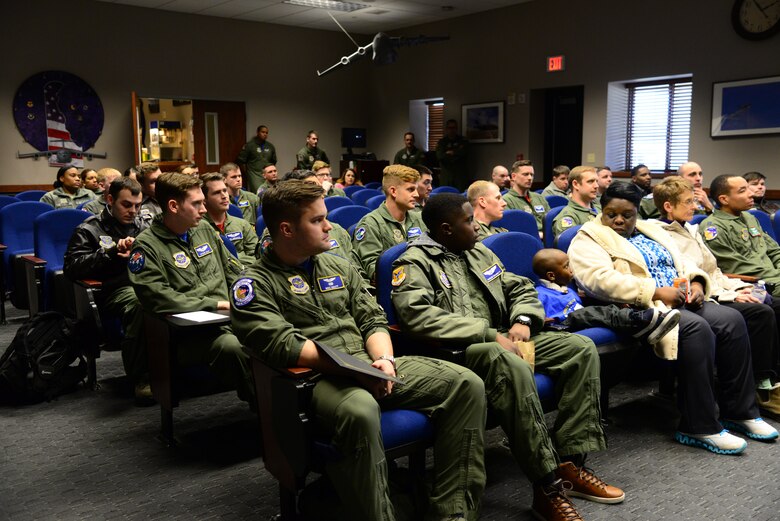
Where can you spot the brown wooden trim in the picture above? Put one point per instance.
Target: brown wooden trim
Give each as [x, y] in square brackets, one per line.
[15, 189]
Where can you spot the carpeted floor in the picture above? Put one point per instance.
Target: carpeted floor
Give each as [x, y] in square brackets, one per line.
[93, 455]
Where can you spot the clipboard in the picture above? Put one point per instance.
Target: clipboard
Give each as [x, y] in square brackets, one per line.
[351, 363]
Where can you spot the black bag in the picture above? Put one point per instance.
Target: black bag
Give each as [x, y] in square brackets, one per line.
[40, 364]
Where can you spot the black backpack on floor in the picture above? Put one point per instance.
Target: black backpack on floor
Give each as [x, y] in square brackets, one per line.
[44, 360]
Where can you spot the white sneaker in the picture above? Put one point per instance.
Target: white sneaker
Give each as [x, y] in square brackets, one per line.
[721, 443]
[756, 428]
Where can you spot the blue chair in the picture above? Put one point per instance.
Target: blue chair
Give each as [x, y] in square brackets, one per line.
[375, 185]
[31, 195]
[331, 203]
[47, 286]
[549, 217]
[776, 226]
[539, 191]
[375, 202]
[384, 287]
[235, 211]
[765, 221]
[700, 217]
[260, 226]
[351, 230]
[364, 195]
[346, 216]
[445, 190]
[564, 239]
[518, 221]
[229, 245]
[351, 189]
[556, 200]
[516, 250]
[5, 200]
[16, 233]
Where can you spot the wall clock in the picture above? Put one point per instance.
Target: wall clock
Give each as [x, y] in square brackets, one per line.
[756, 19]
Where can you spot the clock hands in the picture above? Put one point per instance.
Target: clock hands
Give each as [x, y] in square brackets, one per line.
[763, 8]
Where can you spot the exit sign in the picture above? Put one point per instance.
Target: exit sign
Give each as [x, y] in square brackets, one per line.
[556, 63]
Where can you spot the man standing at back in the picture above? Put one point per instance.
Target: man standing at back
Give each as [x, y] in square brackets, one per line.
[246, 201]
[310, 153]
[520, 197]
[393, 222]
[452, 153]
[410, 155]
[179, 264]
[256, 155]
[98, 250]
[584, 188]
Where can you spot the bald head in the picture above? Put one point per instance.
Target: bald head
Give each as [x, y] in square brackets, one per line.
[500, 176]
[691, 172]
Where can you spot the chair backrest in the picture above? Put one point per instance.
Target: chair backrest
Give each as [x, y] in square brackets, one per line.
[235, 211]
[699, 218]
[346, 216]
[516, 251]
[229, 245]
[765, 221]
[31, 195]
[337, 201]
[384, 280]
[362, 196]
[518, 221]
[374, 185]
[351, 189]
[445, 190]
[16, 225]
[549, 236]
[260, 226]
[565, 238]
[375, 202]
[5, 200]
[52, 231]
[557, 200]
[539, 191]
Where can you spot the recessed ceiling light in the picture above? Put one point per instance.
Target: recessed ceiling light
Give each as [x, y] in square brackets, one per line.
[334, 5]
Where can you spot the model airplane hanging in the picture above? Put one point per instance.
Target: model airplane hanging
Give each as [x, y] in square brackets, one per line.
[385, 48]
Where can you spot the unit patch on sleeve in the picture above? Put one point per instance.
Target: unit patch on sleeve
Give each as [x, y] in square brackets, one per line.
[243, 292]
[136, 261]
[710, 233]
[360, 233]
[567, 222]
[107, 242]
[399, 276]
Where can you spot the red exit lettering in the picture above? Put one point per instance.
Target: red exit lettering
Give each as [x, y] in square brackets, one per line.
[555, 63]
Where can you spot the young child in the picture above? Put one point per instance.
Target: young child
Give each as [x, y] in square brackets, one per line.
[564, 310]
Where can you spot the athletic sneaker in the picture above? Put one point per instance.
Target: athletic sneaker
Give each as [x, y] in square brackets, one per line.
[655, 324]
[721, 443]
[756, 428]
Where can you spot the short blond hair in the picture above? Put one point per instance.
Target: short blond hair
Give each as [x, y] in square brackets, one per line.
[478, 189]
[670, 189]
[319, 164]
[394, 175]
[105, 173]
[577, 171]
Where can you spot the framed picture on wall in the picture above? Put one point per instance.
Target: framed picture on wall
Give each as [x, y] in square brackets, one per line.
[483, 122]
[746, 107]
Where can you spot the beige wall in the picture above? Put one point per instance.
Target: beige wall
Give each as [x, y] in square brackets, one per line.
[117, 49]
[489, 55]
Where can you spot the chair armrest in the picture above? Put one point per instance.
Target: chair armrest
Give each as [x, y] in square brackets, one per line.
[33, 260]
[3, 247]
[744, 278]
[89, 284]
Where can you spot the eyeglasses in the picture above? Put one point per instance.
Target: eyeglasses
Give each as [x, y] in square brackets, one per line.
[322, 176]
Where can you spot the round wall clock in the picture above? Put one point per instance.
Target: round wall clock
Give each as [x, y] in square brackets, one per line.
[756, 19]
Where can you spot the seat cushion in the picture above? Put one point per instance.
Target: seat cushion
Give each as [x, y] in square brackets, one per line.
[402, 426]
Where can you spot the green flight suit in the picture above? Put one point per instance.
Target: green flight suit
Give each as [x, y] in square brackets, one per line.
[306, 157]
[59, 198]
[241, 234]
[486, 230]
[379, 231]
[333, 191]
[464, 300]
[275, 308]
[150, 209]
[741, 246]
[95, 206]
[454, 167]
[534, 204]
[551, 189]
[413, 158]
[572, 215]
[256, 156]
[171, 275]
[247, 202]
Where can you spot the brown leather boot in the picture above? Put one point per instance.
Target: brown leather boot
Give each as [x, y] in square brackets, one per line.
[552, 504]
[587, 485]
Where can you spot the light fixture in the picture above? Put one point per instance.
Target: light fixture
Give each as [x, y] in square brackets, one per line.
[333, 5]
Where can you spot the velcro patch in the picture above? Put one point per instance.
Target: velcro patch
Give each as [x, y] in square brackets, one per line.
[492, 272]
[235, 236]
[710, 233]
[399, 276]
[203, 250]
[136, 261]
[330, 283]
[243, 292]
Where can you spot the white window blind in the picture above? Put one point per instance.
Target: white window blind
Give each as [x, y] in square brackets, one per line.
[435, 123]
[659, 124]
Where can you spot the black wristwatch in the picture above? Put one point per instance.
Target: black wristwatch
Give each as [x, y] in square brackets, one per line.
[524, 320]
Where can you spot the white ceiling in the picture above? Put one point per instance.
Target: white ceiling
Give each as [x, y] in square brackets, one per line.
[382, 15]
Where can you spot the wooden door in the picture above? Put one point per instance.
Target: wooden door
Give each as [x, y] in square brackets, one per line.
[219, 131]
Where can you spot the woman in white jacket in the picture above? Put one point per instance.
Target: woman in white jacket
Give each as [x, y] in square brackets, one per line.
[617, 259]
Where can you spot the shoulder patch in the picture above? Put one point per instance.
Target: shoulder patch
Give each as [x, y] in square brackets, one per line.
[330, 283]
[567, 222]
[399, 276]
[492, 272]
[710, 232]
[106, 242]
[754, 232]
[413, 232]
[334, 244]
[136, 261]
[360, 233]
[445, 279]
[243, 292]
[181, 260]
[298, 285]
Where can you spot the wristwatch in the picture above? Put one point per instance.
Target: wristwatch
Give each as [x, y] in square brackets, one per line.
[524, 320]
[389, 358]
